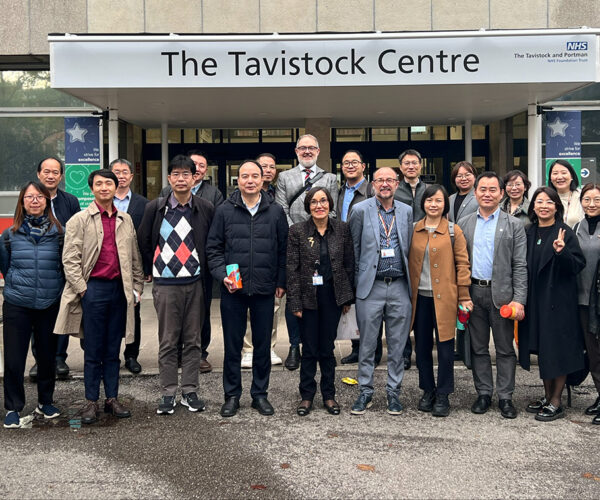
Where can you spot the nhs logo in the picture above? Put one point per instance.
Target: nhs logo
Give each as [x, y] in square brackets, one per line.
[577, 45]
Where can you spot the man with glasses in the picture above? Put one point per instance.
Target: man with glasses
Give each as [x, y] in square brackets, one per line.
[134, 204]
[292, 187]
[353, 191]
[203, 189]
[172, 239]
[410, 191]
[381, 229]
[497, 251]
[64, 205]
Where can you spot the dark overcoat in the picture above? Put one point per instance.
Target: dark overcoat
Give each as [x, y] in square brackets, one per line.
[552, 309]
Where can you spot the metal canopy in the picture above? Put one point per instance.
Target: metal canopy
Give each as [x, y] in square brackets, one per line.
[286, 105]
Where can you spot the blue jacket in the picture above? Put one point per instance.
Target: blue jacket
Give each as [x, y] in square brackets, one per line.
[33, 275]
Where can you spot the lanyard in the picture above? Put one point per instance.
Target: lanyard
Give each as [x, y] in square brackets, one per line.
[387, 230]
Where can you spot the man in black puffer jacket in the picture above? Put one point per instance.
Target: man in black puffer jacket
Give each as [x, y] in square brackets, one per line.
[251, 231]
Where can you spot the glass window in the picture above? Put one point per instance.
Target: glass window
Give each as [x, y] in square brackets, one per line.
[456, 133]
[32, 88]
[189, 136]
[420, 133]
[240, 135]
[520, 126]
[277, 135]
[23, 141]
[153, 136]
[404, 133]
[153, 178]
[209, 135]
[384, 134]
[478, 131]
[440, 133]
[350, 134]
[174, 136]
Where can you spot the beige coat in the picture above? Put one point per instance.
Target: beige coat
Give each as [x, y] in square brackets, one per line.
[450, 273]
[83, 241]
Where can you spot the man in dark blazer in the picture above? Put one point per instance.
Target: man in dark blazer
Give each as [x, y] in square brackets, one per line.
[353, 191]
[64, 205]
[208, 192]
[497, 251]
[134, 204]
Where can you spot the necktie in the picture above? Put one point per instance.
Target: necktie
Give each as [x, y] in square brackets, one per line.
[307, 173]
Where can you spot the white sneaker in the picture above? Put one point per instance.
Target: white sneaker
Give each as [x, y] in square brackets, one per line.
[275, 360]
[247, 360]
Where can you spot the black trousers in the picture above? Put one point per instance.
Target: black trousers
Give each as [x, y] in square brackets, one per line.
[592, 344]
[133, 350]
[318, 332]
[205, 334]
[424, 327]
[234, 311]
[19, 322]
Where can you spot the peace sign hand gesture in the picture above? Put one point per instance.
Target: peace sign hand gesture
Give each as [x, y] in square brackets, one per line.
[559, 242]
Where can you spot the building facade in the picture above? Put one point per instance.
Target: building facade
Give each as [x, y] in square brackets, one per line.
[32, 113]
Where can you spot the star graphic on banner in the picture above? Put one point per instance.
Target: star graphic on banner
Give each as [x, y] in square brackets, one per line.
[557, 128]
[77, 134]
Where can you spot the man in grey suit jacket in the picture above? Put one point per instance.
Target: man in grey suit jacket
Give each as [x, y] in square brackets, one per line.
[497, 250]
[292, 186]
[294, 181]
[381, 230]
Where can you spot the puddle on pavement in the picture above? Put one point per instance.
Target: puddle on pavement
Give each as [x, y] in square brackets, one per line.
[71, 418]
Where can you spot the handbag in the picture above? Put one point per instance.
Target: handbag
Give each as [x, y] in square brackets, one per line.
[347, 327]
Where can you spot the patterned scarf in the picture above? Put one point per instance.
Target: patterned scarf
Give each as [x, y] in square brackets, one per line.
[36, 227]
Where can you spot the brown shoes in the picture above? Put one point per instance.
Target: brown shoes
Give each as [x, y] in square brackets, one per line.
[205, 366]
[89, 413]
[112, 406]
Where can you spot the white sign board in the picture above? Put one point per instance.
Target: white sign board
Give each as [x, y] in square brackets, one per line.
[193, 62]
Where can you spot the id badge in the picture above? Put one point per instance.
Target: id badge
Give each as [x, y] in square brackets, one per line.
[317, 280]
[386, 253]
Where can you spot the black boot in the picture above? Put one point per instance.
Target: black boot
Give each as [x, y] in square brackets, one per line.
[292, 361]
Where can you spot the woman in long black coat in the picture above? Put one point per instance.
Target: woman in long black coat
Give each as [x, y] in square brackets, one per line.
[551, 329]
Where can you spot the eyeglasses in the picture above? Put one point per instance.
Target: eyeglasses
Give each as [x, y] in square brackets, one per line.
[540, 203]
[379, 182]
[32, 197]
[587, 201]
[323, 202]
[414, 163]
[515, 185]
[302, 149]
[354, 163]
[185, 175]
[463, 176]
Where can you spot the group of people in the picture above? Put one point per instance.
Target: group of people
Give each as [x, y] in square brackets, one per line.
[404, 253]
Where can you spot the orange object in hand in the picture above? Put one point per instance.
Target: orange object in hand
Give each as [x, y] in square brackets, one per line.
[509, 312]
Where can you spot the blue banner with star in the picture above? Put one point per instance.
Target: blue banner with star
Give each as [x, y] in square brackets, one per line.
[82, 155]
[563, 138]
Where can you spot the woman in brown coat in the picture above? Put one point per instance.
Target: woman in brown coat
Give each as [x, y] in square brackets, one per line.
[439, 277]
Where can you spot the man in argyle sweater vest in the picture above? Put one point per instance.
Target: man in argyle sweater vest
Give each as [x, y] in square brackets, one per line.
[172, 237]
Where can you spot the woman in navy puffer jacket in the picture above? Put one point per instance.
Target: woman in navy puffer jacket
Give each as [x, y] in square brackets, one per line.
[30, 260]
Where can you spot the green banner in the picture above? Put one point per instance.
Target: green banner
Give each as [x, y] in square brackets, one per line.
[76, 182]
[575, 162]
